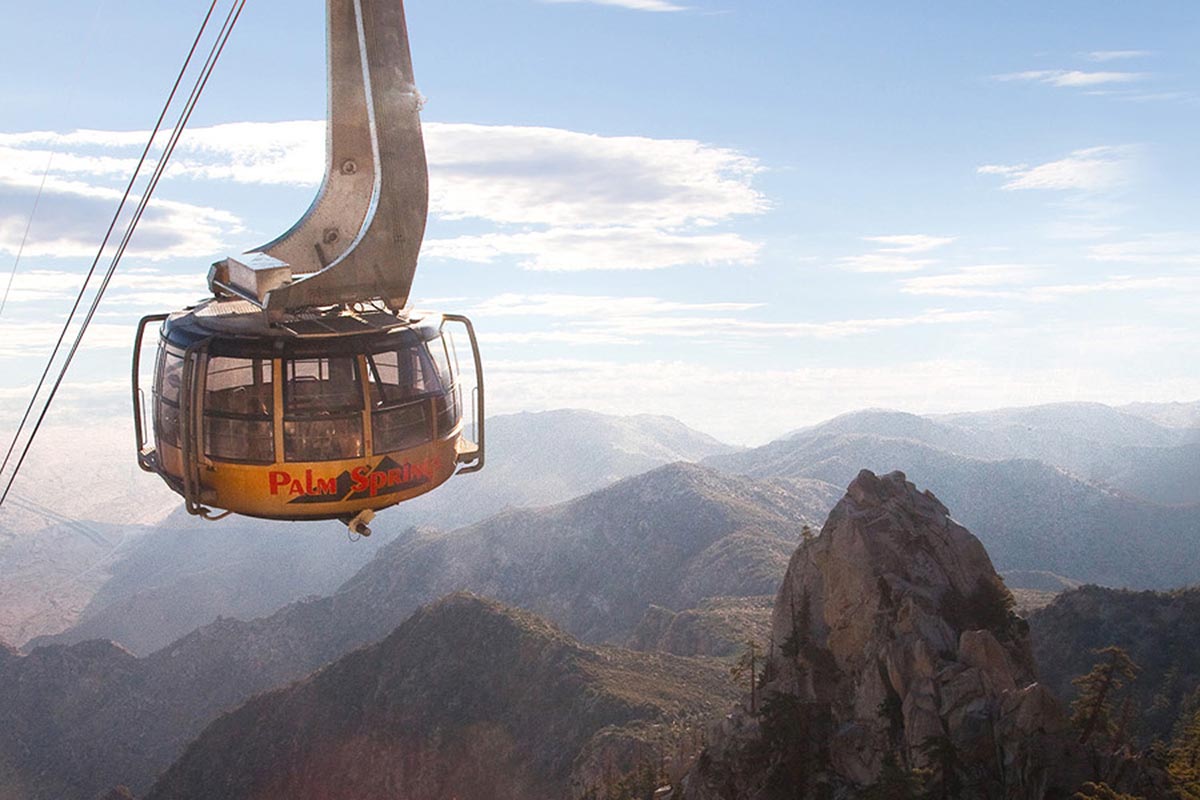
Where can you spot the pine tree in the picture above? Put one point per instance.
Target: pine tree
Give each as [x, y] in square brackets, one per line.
[747, 667]
[1184, 764]
[944, 782]
[895, 782]
[1092, 710]
[798, 637]
[1101, 791]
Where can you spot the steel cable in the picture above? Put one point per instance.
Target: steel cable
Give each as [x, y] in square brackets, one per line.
[37, 199]
[189, 106]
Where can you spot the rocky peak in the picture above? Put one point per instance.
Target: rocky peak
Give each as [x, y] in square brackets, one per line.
[892, 640]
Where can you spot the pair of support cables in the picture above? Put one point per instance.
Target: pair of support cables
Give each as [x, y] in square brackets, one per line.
[200, 80]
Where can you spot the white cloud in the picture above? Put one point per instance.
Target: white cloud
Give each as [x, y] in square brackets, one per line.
[1179, 284]
[26, 339]
[582, 201]
[600, 306]
[1089, 170]
[77, 206]
[976, 281]
[1013, 282]
[910, 243]
[589, 319]
[576, 249]
[1073, 78]
[1116, 55]
[132, 287]
[897, 253]
[548, 176]
[726, 328]
[269, 153]
[636, 5]
[1166, 248]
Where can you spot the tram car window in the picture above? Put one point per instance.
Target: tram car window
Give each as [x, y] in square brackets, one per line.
[239, 402]
[323, 410]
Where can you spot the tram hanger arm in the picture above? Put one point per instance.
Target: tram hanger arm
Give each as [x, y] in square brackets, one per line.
[360, 239]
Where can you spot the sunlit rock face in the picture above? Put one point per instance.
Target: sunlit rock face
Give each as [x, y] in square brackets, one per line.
[892, 638]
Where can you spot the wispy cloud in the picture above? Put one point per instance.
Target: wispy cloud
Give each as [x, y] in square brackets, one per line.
[636, 5]
[610, 248]
[897, 253]
[577, 200]
[1117, 55]
[1161, 248]
[976, 281]
[138, 286]
[35, 339]
[910, 243]
[1017, 282]
[80, 197]
[550, 176]
[599, 306]
[1072, 78]
[629, 320]
[1188, 284]
[1089, 170]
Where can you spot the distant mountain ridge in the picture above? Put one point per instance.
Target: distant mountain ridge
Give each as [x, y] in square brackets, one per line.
[185, 572]
[1170, 415]
[1091, 441]
[1031, 516]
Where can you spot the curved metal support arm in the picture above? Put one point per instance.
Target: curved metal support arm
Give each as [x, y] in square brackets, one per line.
[360, 239]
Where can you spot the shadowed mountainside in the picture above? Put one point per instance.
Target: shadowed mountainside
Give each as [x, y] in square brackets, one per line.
[1159, 630]
[466, 699]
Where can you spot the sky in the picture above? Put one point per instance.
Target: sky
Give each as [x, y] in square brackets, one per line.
[750, 216]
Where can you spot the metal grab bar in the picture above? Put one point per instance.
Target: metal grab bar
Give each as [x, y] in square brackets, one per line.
[474, 460]
[139, 422]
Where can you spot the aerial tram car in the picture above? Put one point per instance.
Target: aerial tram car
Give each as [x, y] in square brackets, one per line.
[306, 388]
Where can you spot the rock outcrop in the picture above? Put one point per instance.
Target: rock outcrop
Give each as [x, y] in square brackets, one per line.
[893, 648]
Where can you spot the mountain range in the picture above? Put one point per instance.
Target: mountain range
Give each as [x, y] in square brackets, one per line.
[1018, 477]
[674, 538]
[675, 560]
[1032, 515]
[144, 586]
